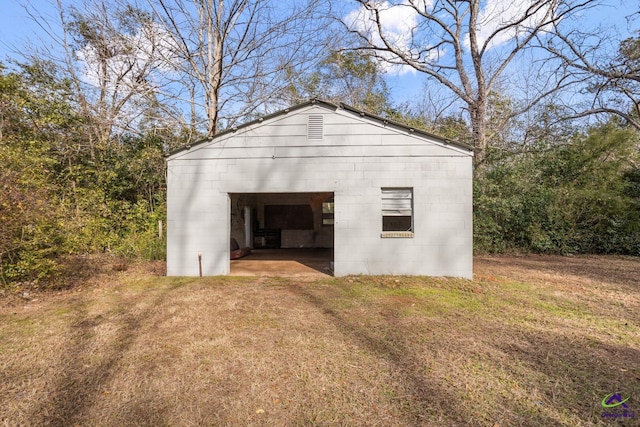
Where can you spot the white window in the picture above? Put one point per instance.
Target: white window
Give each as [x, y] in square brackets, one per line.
[397, 212]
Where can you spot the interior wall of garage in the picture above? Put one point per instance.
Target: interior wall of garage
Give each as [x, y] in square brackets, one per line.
[316, 235]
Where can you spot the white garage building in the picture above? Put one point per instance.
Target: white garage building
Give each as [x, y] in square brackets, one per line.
[387, 198]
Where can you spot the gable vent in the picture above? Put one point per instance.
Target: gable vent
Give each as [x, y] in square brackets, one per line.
[315, 127]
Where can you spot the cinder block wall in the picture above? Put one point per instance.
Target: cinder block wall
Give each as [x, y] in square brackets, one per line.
[354, 160]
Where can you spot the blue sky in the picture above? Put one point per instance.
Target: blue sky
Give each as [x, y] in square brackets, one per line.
[611, 16]
[11, 22]
[18, 32]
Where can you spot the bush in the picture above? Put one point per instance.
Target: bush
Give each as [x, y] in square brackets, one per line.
[576, 198]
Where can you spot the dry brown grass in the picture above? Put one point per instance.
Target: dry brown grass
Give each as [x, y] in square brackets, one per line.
[532, 341]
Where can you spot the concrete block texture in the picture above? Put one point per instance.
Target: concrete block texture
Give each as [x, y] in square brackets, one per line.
[354, 160]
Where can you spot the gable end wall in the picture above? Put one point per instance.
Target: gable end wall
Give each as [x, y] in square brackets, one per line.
[354, 160]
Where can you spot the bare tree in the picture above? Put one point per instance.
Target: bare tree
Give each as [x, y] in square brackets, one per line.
[230, 57]
[108, 52]
[197, 65]
[613, 79]
[466, 46]
[116, 57]
[350, 77]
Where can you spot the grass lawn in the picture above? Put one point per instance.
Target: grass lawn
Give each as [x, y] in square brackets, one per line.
[531, 341]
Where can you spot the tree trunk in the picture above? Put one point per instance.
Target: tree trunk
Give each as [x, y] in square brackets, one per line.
[214, 61]
[479, 128]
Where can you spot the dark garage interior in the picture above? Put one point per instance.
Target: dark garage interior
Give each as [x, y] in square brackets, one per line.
[282, 233]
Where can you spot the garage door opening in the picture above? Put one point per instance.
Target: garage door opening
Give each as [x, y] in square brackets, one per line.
[282, 234]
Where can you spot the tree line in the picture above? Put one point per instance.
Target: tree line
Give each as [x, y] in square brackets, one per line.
[86, 120]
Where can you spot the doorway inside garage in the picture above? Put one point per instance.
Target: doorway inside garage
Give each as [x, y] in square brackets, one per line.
[282, 234]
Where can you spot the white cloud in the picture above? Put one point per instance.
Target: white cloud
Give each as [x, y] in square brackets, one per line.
[398, 19]
[504, 13]
[134, 69]
[134, 57]
[397, 22]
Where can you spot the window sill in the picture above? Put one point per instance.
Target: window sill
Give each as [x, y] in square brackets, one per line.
[397, 234]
